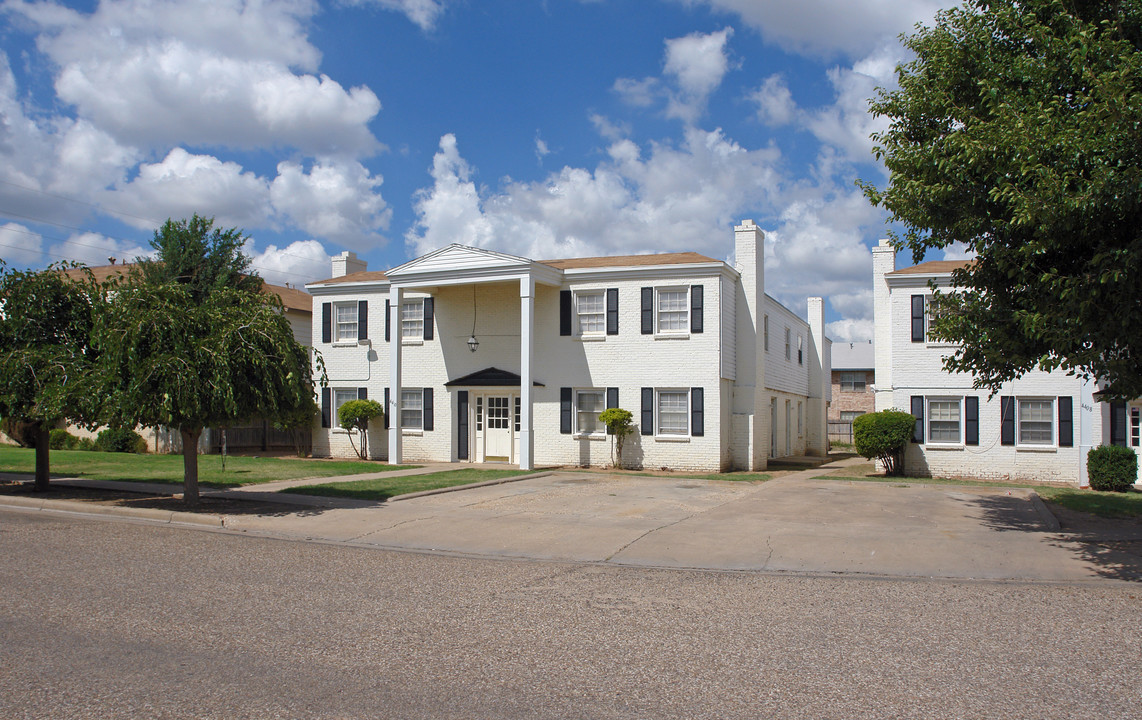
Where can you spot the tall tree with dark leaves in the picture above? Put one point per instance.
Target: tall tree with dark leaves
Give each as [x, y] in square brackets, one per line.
[1017, 131]
[46, 319]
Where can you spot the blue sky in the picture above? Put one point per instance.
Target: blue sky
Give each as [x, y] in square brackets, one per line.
[557, 128]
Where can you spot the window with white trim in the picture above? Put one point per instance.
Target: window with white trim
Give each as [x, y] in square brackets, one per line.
[412, 408]
[1135, 424]
[1036, 419]
[847, 416]
[589, 404]
[673, 310]
[800, 350]
[673, 412]
[852, 381]
[591, 312]
[944, 426]
[346, 322]
[412, 319]
[340, 397]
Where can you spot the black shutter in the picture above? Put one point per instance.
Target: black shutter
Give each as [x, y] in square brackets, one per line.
[462, 425]
[326, 322]
[362, 319]
[612, 311]
[387, 410]
[362, 393]
[326, 407]
[647, 311]
[695, 308]
[918, 413]
[429, 308]
[429, 420]
[971, 421]
[697, 413]
[648, 411]
[1118, 423]
[565, 410]
[1006, 420]
[917, 318]
[388, 319]
[564, 312]
[612, 401]
[1066, 421]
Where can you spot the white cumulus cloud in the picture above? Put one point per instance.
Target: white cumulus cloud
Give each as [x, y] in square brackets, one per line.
[20, 246]
[336, 200]
[295, 265]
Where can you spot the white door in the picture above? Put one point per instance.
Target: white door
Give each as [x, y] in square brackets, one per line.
[498, 430]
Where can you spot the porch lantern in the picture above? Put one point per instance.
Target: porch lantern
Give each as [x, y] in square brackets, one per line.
[473, 343]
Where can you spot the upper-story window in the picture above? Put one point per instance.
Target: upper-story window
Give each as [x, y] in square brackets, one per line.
[412, 319]
[923, 310]
[852, 382]
[765, 331]
[800, 350]
[673, 310]
[590, 309]
[346, 314]
[786, 343]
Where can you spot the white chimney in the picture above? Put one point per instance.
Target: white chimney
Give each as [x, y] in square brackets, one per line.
[347, 263]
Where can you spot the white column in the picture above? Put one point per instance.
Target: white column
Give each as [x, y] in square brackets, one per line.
[526, 359]
[396, 449]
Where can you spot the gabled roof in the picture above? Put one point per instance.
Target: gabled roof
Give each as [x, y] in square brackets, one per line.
[853, 356]
[363, 276]
[489, 377]
[685, 258]
[933, 267]
[292, 298]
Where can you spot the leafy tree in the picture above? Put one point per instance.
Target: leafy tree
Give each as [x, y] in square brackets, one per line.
[45, 354]
[1015, 130]
[297, 421]
[884, 435]
[620, 423]
[199, 256]
[194, 349]
[355, 415]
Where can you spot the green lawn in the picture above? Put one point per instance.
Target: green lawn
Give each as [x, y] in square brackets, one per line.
[168, 468]
[1104, 504]
[384, 488]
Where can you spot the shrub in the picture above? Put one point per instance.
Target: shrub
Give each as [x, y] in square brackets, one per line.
[884, 435]
[85, 443]
[355, 415]
[1112, 467]
[620, 423]
[60, 439]
[120, 440]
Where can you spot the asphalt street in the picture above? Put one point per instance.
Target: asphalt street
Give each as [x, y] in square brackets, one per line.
[109, 618]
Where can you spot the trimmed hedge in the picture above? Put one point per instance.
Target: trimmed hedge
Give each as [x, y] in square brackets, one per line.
[60, 439]
[884, 435]
[1112, 467]
[120, 440]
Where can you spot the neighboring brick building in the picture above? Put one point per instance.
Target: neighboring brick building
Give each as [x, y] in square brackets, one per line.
[1038, 427]
[854, 372]
[719, 375]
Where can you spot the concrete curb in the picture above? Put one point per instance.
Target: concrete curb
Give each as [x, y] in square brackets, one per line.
[85, 508]
[1045, 513]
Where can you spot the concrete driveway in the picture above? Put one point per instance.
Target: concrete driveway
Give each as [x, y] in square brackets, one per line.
[794, 523]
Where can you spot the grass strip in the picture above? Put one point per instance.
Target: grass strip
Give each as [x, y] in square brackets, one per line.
[385, 488]
[240, 470]
[1103, 504]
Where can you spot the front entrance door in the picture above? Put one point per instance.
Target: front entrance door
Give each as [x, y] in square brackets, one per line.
[498, 431]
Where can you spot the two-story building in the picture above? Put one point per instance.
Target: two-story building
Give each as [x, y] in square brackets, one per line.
[479, 356]
[854, 375]
[1038, 427]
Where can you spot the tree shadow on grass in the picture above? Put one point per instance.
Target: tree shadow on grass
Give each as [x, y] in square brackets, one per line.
[1111, 547]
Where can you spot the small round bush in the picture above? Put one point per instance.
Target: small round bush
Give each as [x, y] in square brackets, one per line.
[60, 439]
[120, 440]
[884, 435]
[1112, 467]
[84, 443]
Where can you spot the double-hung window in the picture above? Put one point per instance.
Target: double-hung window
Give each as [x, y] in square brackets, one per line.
[340, 397]
[852, 382]
[673, 310]
[944, 424]
[412, 408]
[590, 309]
[786, 343]
[589, 404]
[1036, 421]
[765, 331]
[346, 322]
[673, 412]
[412, 319]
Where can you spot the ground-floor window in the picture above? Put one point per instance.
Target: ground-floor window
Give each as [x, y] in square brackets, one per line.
[1036, 421]
[847, 416]
[412, 408]
[944, 420]
[673, 412]
[340, 397]
[1135, 422]
[588, 405]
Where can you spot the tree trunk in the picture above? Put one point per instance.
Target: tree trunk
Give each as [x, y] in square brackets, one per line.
[190, 465]
[43, 438]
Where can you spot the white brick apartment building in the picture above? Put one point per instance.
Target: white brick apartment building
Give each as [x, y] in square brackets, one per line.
[718, 375]
[1038, 427]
